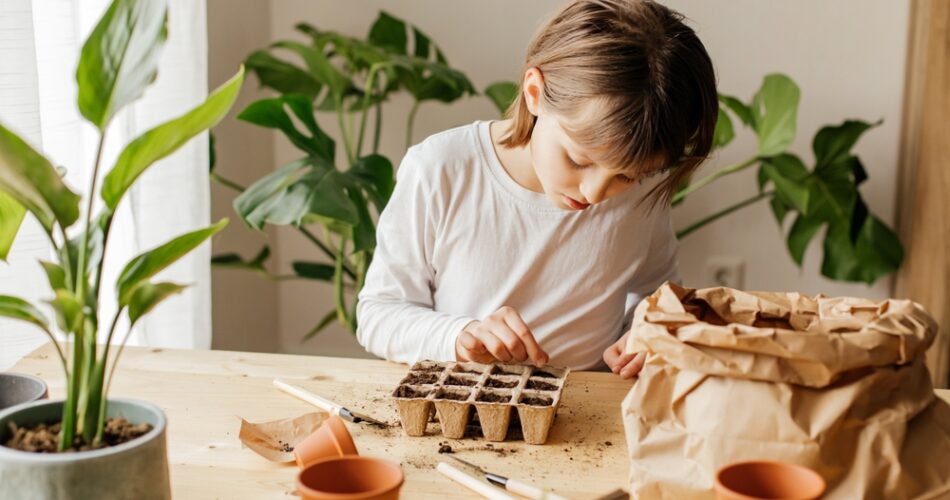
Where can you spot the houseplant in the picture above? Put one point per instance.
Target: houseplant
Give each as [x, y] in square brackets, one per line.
[858, 246]
[118, 61]
[349, 80]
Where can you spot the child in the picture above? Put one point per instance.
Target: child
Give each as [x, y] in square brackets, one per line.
[532, 239]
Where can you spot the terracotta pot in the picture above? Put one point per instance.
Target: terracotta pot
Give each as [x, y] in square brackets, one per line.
[350, 477]
[330, 440]
[19, 388]
[768, 480]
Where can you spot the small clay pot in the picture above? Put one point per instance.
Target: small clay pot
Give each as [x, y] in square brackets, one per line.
[19, 388]
[350, 477]
[768, 480]
[330, 440]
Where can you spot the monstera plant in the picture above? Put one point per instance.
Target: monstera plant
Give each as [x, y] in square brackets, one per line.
[118, 61]
[347, 81]
[857, 245]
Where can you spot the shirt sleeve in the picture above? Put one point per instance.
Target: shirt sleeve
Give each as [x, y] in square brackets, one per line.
[660, 266]
[395, 314]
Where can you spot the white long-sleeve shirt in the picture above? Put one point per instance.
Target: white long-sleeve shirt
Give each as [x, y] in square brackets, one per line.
[460, 238]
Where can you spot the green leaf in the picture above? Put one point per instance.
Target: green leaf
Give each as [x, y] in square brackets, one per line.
[364, 232]
[374, 173]
[389, 33]
[780, 209]
[724, 133]
[148, 295]
[282, 76]
[17, 308]
[320, 68]
[330, 316]
[743, 112]
[120, 58]
[272, 113]
[11, 216]
[145, 266]
[233, 260]
[832, 144]
[55, 275]
[877, 253]
[29, 178]
[775, 108]
[69, 311]
[166, 138]
[313, 270]
[788, 174]
[801, 233]
[328, 198]
[502, 94]
[263, 202]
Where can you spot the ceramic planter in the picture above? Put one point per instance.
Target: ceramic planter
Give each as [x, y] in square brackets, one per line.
[19, 388]
[135, 469]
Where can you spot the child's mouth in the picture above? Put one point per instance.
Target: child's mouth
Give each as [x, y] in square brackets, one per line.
[576, 205]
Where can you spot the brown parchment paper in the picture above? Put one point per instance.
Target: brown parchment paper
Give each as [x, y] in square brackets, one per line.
[275, 440]
[835, 384]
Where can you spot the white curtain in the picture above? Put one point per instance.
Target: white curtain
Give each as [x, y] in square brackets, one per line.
[40, 43]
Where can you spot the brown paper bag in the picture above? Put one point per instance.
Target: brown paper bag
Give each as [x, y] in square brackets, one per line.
[835, 384]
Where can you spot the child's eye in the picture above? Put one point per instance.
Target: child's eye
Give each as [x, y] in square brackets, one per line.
[573, 163]
[624, 178]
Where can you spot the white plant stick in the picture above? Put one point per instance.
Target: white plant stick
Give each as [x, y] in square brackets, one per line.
[308, 396]
[471, 482]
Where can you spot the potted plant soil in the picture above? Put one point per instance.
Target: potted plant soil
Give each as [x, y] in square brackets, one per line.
[88, 445]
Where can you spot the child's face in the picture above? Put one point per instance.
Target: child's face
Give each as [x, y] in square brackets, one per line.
[572, 177]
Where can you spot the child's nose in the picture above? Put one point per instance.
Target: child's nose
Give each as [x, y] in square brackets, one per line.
[595, 188]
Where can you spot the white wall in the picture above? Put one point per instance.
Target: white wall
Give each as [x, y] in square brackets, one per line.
[847, 56]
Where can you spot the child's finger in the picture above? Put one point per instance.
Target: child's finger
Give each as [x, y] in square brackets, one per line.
[494, 345]
[510, 339]
[531, 346]
[633, 367]
[621, 361]
[472, 349]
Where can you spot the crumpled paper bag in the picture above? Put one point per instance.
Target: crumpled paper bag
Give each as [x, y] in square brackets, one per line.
[276, 440]
[835, 384]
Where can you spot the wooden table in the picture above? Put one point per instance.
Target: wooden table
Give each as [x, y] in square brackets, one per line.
[205, 393]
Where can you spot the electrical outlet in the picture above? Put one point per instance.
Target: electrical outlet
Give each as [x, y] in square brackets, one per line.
[725, 271]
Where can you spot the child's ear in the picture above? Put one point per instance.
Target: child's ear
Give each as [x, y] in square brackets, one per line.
[532, 88]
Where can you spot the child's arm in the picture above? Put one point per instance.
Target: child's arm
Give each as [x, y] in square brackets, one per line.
[395, 312]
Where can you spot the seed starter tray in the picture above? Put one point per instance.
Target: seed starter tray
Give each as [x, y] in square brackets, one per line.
[451, 389]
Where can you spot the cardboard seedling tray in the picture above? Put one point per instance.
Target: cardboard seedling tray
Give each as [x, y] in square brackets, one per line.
[452, 389]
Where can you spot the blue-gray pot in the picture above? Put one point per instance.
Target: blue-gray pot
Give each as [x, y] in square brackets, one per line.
[135, 469]
[19, 388]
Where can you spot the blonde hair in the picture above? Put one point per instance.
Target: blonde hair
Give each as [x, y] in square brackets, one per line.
[649, 77]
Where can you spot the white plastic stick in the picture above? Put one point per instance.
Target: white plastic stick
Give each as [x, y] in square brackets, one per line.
[482, 488]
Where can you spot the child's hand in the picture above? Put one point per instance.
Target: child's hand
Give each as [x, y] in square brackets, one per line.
[502, 336]
[627, 365]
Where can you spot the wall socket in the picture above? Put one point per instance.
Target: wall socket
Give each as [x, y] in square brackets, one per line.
[725, 271]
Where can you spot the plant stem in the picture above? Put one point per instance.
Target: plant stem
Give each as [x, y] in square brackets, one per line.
[344, 133]
[378, 125]
[731, 169]
[341, 314]
[330, 253]
[722, 213]
[227, 183]
[367, 92]
[412, 119]
[80, 284]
